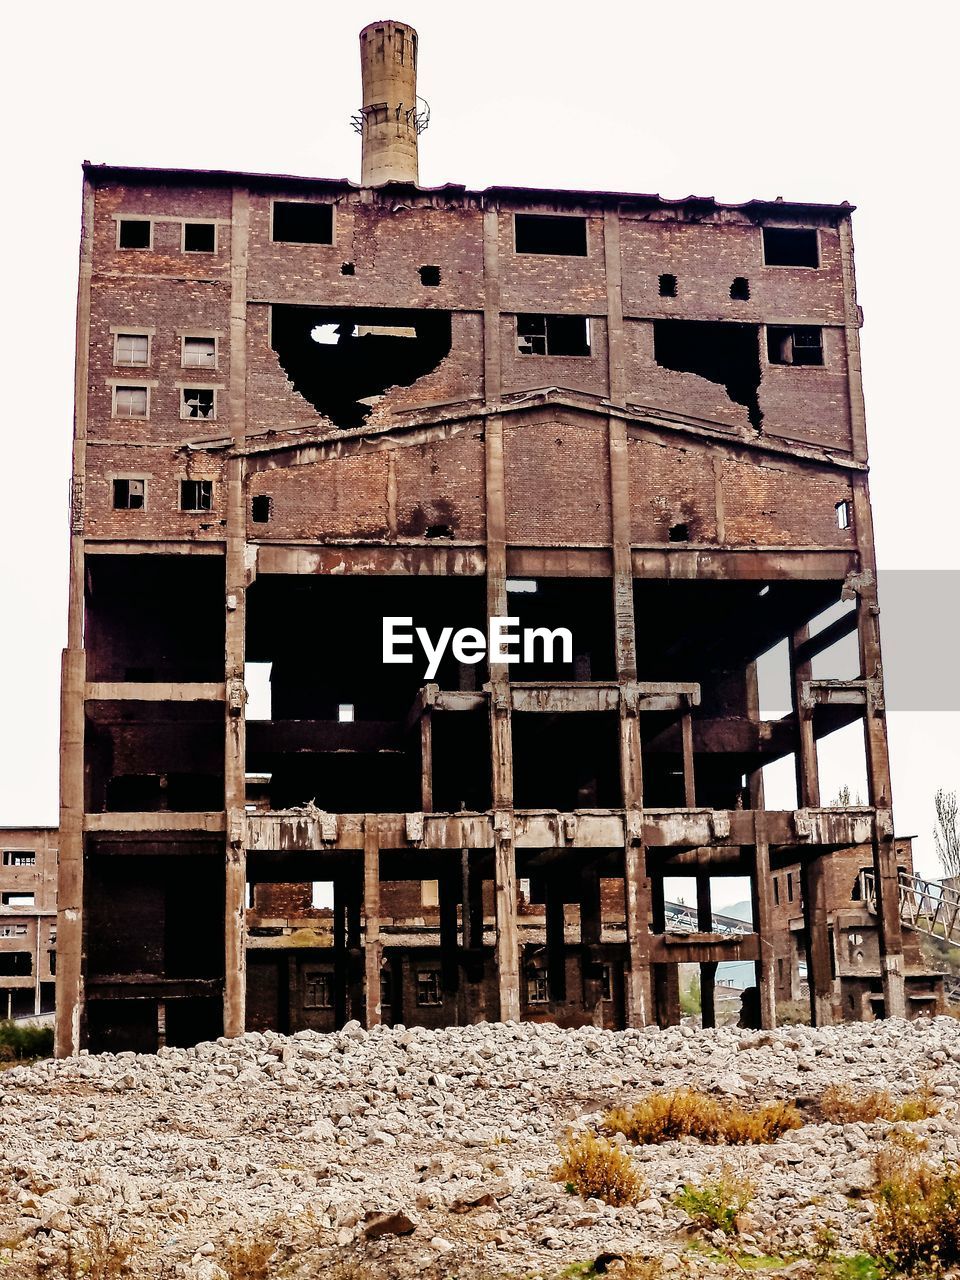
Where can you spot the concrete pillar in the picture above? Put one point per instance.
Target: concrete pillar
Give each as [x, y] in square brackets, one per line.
[556, 941]
[808, 777]
[449, 894]
[388, 126]
[765, 966]
[372, 947]
[819, 970]
[591, 930]
[708, 970]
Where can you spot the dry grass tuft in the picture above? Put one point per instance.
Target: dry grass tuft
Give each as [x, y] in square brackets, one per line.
[686, 1113]
[840, 1105]
[592, 1166]
[104, 1255]
[718, 1205]
[917, 1223]
[249, 1260]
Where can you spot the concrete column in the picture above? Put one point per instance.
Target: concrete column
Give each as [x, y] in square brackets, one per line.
[591, 932]
[340, 967]
[449, 894]
[766, 967]
[708, 971]
[819, 970]
[372, 947]
[69, 979]
[556, 938]
[808, 777]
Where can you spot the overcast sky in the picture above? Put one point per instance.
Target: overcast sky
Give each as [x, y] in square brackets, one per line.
[820, 101]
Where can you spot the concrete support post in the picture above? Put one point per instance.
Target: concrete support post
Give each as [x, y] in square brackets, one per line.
[70, 993]
[449, 894]
[708, 971]
[340, 966]
[372, 947]
[426, 760]
[766, 969]
[808, 777]
[819, 966]
[591, 933]
[556, 941]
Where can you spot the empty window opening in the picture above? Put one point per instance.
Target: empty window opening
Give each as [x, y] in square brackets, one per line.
[430, 893]
[342, 361]
[430, 275]
[19, 858]
[438, 531]
[199, 353]
[668, 285]
[131, 348]
[521, 586]
[789, 886]
[740, 289]
[722, 352]
[679, 533]
[844, 514]
[130, 402]
[134, 233]
[345, 712]
[16, 964]
[321, 895]
[348, 269]
[17, 899]
[428, 988]
[128, 495]
[52, 961]
[299, 222]
[200, 237]
[196, 495]
[802, 344]
[553, 335]
[776, 891]
[606, 982]
[198, 402]
[318, 990]
[550, 233]
[261, 508]
[790, 247]
[538, 991]
[256, 677]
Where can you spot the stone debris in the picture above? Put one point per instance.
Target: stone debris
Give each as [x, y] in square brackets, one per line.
[424, 1148]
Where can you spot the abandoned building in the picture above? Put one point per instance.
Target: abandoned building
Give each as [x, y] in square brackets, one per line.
[28, 921]
[304, 405]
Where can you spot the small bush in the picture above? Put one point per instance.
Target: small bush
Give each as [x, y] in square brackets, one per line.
[717, 1206]
[917, 1223]
[249, 1260]
[686, 1113]
[840, 1105]
[104, 1256]
[30, 1041]
[592, 1166]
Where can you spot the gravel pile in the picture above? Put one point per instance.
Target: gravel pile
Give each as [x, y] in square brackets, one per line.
[429, 1153]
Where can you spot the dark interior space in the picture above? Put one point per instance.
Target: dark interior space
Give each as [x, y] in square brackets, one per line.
[342, 360]
[566, 761]
[717, 350]
[790, 247]
[154, 618]
[551, 233]
[461, 761]
[585, 607]
[122, 1026]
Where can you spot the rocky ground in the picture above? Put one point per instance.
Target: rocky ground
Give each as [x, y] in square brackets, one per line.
[331, 1145]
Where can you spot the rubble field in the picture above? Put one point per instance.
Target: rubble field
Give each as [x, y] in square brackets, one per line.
[430, 1153]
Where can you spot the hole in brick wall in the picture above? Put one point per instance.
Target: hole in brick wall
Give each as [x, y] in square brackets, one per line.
[342, 360]
[553, 335]
[790, 247]
[550, 233]
[679, 532]
[668, 285]
[430, 275]
[740, 289]
[260, 508]
[302, 222]
[721, 352]
[200, 237]
[134, 233]
[348, 269]
[438, 531]
[800, 344]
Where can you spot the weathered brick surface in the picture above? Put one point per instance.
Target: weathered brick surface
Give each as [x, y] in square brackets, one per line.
[671, 484]
[776, 503]
[557, 482]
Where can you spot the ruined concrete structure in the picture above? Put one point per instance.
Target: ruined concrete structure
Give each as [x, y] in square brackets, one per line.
[304, 405]
[28, 920]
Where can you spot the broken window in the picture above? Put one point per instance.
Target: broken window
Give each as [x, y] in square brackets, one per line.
[720, 351]
[16, 964]
[301, 222]
[343, 360]
[844, 514]
[430, 275]
[538, 989]
[790, 247]
[428, 988]
[200, 237]
[131, 348]
[740, 289]
[667, 284]
[13, 930]
[318, 990]
[196, 495]
[198, 402]
[134, 233]
[550, 233]
[802, 344]
[128, 495]
[130, 402]
[19, 858]
[553, 335]
[17, 899]
[260, 506]
[199, 353]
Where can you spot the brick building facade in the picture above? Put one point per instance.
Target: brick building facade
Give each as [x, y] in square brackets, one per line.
[28, 921]
[304, 405]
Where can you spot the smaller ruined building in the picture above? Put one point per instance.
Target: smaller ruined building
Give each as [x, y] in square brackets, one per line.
[28, 921]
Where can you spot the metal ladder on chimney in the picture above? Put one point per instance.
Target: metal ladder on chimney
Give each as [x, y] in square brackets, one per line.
[928, 906]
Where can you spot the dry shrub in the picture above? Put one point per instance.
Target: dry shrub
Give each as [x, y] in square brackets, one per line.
[840, 1105]
[249, 1260]
[104, 1256]
[718, 1205]
[686, 1113]
[917, 1223]
[592, 1166]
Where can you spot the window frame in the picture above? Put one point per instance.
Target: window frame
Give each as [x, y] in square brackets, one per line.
[546, 317]
[11, 857]
[791, 330]
[131, 331]
[547, 253]
[791, 266]
[436, 989]
[133, 384]
[184, 387]
[120, 218]
[318, 978]
[200, 337]
[314, 244]
[199, 480]
[200, 222]
[125, 479]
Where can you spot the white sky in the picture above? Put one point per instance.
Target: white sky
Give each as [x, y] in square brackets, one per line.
[813, 101]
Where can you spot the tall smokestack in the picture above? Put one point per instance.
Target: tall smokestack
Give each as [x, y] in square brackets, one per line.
[390, 117]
